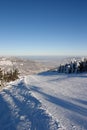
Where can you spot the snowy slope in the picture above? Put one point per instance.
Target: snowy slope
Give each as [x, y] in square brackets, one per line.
[39, 102]
[20, 110]
[64, 96]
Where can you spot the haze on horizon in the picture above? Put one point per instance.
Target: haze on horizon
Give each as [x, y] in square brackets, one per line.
[43, 27]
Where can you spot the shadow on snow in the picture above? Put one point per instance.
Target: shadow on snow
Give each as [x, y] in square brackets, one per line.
[81, 111]
[25, 113]
[49, 73]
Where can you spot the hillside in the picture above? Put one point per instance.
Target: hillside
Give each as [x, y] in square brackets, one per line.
[45, 101]
[25, 66]
[20, 110]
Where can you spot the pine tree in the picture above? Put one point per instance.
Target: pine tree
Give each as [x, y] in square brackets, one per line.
[1, 74]
[1, 77]
[15, 74]
[11, 75]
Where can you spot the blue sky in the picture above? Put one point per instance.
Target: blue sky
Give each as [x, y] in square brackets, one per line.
[43, 27]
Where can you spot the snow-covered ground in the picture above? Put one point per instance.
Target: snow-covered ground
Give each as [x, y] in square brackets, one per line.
[20, 110]
[45, 102]
[6, 62]
[64, 96]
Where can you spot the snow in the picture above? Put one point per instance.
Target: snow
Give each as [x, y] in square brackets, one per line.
[64, 96]
[6, 62]
[20, 110]
[47, 101]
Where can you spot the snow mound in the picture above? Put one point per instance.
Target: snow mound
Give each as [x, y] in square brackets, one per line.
[20, 110]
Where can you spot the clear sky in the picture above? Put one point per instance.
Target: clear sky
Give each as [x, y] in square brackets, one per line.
[43, 27]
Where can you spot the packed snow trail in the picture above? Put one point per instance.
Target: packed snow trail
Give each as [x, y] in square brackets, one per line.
[20, 110]
[64, 96]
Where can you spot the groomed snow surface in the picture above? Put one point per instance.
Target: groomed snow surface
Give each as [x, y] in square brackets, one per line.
[47, 101]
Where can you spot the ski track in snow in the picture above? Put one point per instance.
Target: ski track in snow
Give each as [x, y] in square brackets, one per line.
[20, 110]
[46, 101]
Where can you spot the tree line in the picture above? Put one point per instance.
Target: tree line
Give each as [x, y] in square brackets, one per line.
[74, 67]
[8, 76]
